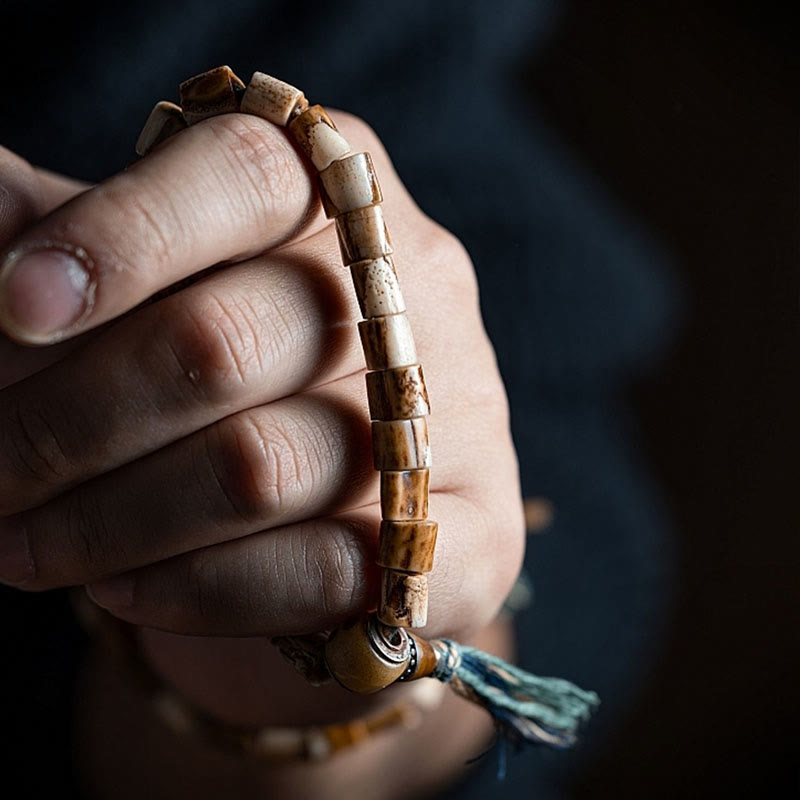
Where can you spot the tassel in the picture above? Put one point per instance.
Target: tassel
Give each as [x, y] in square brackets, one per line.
[525, 707]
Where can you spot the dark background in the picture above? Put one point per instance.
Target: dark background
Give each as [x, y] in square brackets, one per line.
[624, 176]
[689, 111]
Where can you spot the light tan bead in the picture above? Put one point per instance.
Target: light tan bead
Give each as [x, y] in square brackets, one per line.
[348, 184]
[317, 136]
[209, 94]
[279, 743]
[404, 599]
[165, 120]
[387, 342]
[377, 289]
[404, 494]
[271, 99]
[398, 393]
[401, 444]
[407, 546]
[363, 235]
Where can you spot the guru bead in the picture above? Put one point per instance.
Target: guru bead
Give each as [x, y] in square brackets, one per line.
[366, 656]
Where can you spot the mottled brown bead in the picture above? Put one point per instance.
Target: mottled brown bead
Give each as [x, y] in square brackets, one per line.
[349, 183]
[377, 288]
[363, 235]
[315, 134]
[404, 599]
[397, 393]
[271, 99]
[401, 444]
[210, 93]
[404, 494]
[408, 545]
[387, 342]
[165, 120]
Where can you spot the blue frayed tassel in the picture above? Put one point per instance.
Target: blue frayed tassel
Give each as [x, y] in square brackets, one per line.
[525, 707]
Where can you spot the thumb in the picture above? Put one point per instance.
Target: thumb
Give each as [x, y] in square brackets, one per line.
[26, 194]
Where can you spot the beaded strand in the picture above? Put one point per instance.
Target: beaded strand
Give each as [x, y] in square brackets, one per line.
[370, 653]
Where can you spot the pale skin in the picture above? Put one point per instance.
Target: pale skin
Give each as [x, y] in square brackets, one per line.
[202, 462]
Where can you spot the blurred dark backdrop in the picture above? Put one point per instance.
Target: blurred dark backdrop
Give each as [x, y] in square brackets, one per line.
[625, 177]
[689, 111]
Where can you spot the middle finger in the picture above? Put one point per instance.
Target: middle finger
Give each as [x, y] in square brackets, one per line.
[245, 336]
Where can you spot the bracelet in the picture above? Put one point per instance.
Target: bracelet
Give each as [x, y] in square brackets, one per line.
[267, 744]
[374, 651]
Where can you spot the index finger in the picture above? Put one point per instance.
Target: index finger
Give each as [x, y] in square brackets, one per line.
[223, 190]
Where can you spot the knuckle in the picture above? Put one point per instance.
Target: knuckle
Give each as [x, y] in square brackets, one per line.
[90, 544]
[144, 240]
[262, 158]
[329, 574]
[214, 347]
[455, 274]
[34, 453]
[264, 469]
[204, 584]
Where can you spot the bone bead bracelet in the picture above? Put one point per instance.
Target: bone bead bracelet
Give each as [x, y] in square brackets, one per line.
[374, 651]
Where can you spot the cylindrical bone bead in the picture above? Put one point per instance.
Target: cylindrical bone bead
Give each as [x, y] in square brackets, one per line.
[271, 99]
[165, 120]
[210, 93]
[407, 546]
[348, 184]
[397, 393]
[377, 289]
[404, 599]
[401, 444]
[317, 136]
[404, 494]
[363, 235]
[388, 342]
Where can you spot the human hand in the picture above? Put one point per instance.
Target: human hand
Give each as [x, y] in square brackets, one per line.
[211, 449]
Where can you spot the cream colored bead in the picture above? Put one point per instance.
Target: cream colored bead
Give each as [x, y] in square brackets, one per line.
[271, 99]
[404, 599]
[317, 136]
[377, 288]
[387, 342]
[279, 743]
[401, 444]
[317, 744]
[165, 120]
[363, 235]
[348, 184]
[398, 393]
[209, 94]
